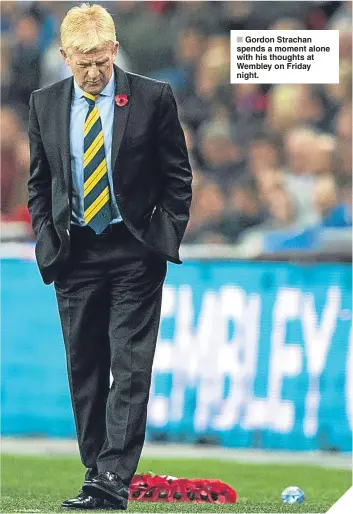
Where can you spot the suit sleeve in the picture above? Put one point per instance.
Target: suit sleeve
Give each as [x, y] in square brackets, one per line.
[173, 163]
[39, 183]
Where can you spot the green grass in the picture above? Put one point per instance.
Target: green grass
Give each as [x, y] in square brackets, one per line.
[39, 484]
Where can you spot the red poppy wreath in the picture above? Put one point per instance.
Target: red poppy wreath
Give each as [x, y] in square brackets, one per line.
[164, 488]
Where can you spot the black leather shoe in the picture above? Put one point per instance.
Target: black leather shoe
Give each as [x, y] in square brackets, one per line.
[84, 501]
[108, 486]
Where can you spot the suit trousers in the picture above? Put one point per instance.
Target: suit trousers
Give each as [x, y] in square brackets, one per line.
[109, 299]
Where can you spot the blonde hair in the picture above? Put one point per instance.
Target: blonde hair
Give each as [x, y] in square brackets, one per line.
[86, 27]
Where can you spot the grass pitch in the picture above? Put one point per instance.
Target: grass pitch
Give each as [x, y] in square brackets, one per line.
[39, 484]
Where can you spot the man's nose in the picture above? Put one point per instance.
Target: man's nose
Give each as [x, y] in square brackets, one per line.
[93, 72]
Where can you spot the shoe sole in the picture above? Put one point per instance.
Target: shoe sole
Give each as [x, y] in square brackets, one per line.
[70, 507]
[90, 508]
[73, 507]
[104, 494]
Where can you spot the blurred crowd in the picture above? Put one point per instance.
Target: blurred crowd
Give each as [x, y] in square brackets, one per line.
[264, 158]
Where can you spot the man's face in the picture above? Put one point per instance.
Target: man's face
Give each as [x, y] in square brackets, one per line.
[92, 71]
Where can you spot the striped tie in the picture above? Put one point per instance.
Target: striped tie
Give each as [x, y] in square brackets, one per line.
[97, 210]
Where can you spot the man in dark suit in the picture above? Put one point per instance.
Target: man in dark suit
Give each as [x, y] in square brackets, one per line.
[109, 198]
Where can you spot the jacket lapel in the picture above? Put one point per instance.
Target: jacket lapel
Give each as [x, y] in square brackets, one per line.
[120, 113]
[63, 106]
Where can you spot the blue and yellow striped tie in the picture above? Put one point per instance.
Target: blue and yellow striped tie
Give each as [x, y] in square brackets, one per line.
[97, 209]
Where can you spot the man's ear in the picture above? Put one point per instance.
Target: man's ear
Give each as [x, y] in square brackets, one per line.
[116, 48]
[64, 54]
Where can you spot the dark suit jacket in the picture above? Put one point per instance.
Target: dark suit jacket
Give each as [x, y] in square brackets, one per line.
[151, 170]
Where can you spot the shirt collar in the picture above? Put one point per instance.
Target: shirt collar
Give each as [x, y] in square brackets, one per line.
[107, 91]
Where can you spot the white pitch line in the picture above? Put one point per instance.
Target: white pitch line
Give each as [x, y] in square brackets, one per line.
[65, 447]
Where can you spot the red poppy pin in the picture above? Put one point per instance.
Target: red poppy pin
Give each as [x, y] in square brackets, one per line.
[121, 100]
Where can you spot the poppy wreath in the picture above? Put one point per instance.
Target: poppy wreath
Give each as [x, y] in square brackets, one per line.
[164, 488]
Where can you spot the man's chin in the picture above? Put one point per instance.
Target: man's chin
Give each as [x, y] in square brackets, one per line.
[94, 89]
